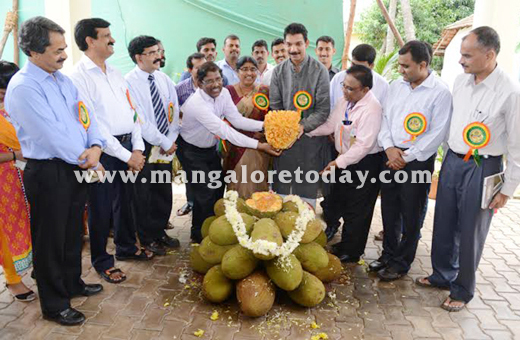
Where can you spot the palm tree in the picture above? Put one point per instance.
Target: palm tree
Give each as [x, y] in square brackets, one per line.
[409, 29]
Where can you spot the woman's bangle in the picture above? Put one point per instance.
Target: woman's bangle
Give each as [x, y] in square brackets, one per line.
[14, 156]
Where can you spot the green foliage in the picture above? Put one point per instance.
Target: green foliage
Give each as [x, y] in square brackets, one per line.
[429, 16]
[386, 65]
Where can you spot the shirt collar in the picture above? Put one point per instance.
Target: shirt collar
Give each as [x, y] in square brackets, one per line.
[90, 65]
[303, 63]
[39, 74]
[490, 81]
[428, 82]
[369, 97]
[142, 75]
[207, 97]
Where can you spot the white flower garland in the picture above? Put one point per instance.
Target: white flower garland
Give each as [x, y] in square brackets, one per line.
[262, 246]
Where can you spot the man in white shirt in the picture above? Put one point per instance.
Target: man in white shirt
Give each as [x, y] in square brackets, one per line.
[415, 122]
[158, 110]
[365, 55]
[105, 91]
[260, 53]
[484, 97]
[202, 124]
[279, 53]
[228, 65]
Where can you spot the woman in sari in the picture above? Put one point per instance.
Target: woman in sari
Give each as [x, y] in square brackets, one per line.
[15, 236]
[243, 95]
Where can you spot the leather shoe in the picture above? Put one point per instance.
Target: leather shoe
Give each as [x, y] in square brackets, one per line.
[330, 232]
[376, 265]
[389, 274]
[169, 242]
[67, 317]
[347, 258]
[91, 289]
[156, 248]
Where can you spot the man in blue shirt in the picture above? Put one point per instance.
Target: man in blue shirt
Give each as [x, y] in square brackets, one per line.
[208, 47]
[59, 137]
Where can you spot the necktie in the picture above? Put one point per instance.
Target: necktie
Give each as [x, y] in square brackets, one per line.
[158, 107]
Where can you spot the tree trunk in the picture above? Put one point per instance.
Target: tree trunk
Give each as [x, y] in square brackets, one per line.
[348, 34]
[390, 22]
[389, 43]
[409, 29]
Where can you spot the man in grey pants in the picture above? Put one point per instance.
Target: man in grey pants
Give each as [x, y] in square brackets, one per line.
[486, 117]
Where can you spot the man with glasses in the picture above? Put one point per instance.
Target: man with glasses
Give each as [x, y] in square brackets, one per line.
[355, 123]
[158, 109]
[105, 91]
[202, 126]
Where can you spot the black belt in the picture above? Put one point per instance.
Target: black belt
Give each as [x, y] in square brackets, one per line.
[124, 138]
[182, 141]
[471, 157]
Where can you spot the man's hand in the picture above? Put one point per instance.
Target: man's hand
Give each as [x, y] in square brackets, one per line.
[19, 156]
[499, 201]
[90, 157]
[268, 149]
[329, 166]
[300, 133]
[136, 161]
[395, 158]
[170, 151]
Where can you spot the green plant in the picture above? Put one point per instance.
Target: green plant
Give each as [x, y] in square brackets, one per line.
[386, 65]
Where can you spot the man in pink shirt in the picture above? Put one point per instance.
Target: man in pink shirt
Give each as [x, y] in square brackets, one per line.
[355, 122]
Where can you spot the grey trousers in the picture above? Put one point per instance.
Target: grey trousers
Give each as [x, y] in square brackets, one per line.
[460, 226]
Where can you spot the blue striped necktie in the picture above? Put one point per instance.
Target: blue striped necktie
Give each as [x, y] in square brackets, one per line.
[158, 107]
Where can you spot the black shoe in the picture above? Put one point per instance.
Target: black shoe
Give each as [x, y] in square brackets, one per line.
[169, 242]
[184, 210]
[330, 232]
[67, 317]
[389, 274]
[91, 289]
[156, 248]
[347, 258]
[376, 265]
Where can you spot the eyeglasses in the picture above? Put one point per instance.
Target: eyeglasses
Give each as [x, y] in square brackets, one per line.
[250, 69]
[350, 89]
[213, 81]
[158, 52]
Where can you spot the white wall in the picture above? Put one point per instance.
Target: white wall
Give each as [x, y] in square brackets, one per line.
[451, 67]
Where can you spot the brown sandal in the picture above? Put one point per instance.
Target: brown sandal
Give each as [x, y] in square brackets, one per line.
[451, 308]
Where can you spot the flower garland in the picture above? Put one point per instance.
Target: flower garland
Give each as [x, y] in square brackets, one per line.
[262, 246]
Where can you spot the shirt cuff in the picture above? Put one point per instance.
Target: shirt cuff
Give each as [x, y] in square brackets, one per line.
[98, 142]
[125, 155]
[387, 144]
[409, 156]
[166, 143]
[341, 161]
[509, 188]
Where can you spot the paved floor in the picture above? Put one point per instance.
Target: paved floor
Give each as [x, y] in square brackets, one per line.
[161, 300]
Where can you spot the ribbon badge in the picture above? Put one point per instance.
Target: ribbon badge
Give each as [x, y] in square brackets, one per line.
[171, 110]
[415, 124]
[84, 117]
[261, 101]
[136, 117]
[476, 135]
[302, 101]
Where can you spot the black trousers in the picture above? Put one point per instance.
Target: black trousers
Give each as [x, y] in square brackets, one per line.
[153, 201]
[402, 208]
[355, 203]
[110, 208]
[207, 193]
[57, 201]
